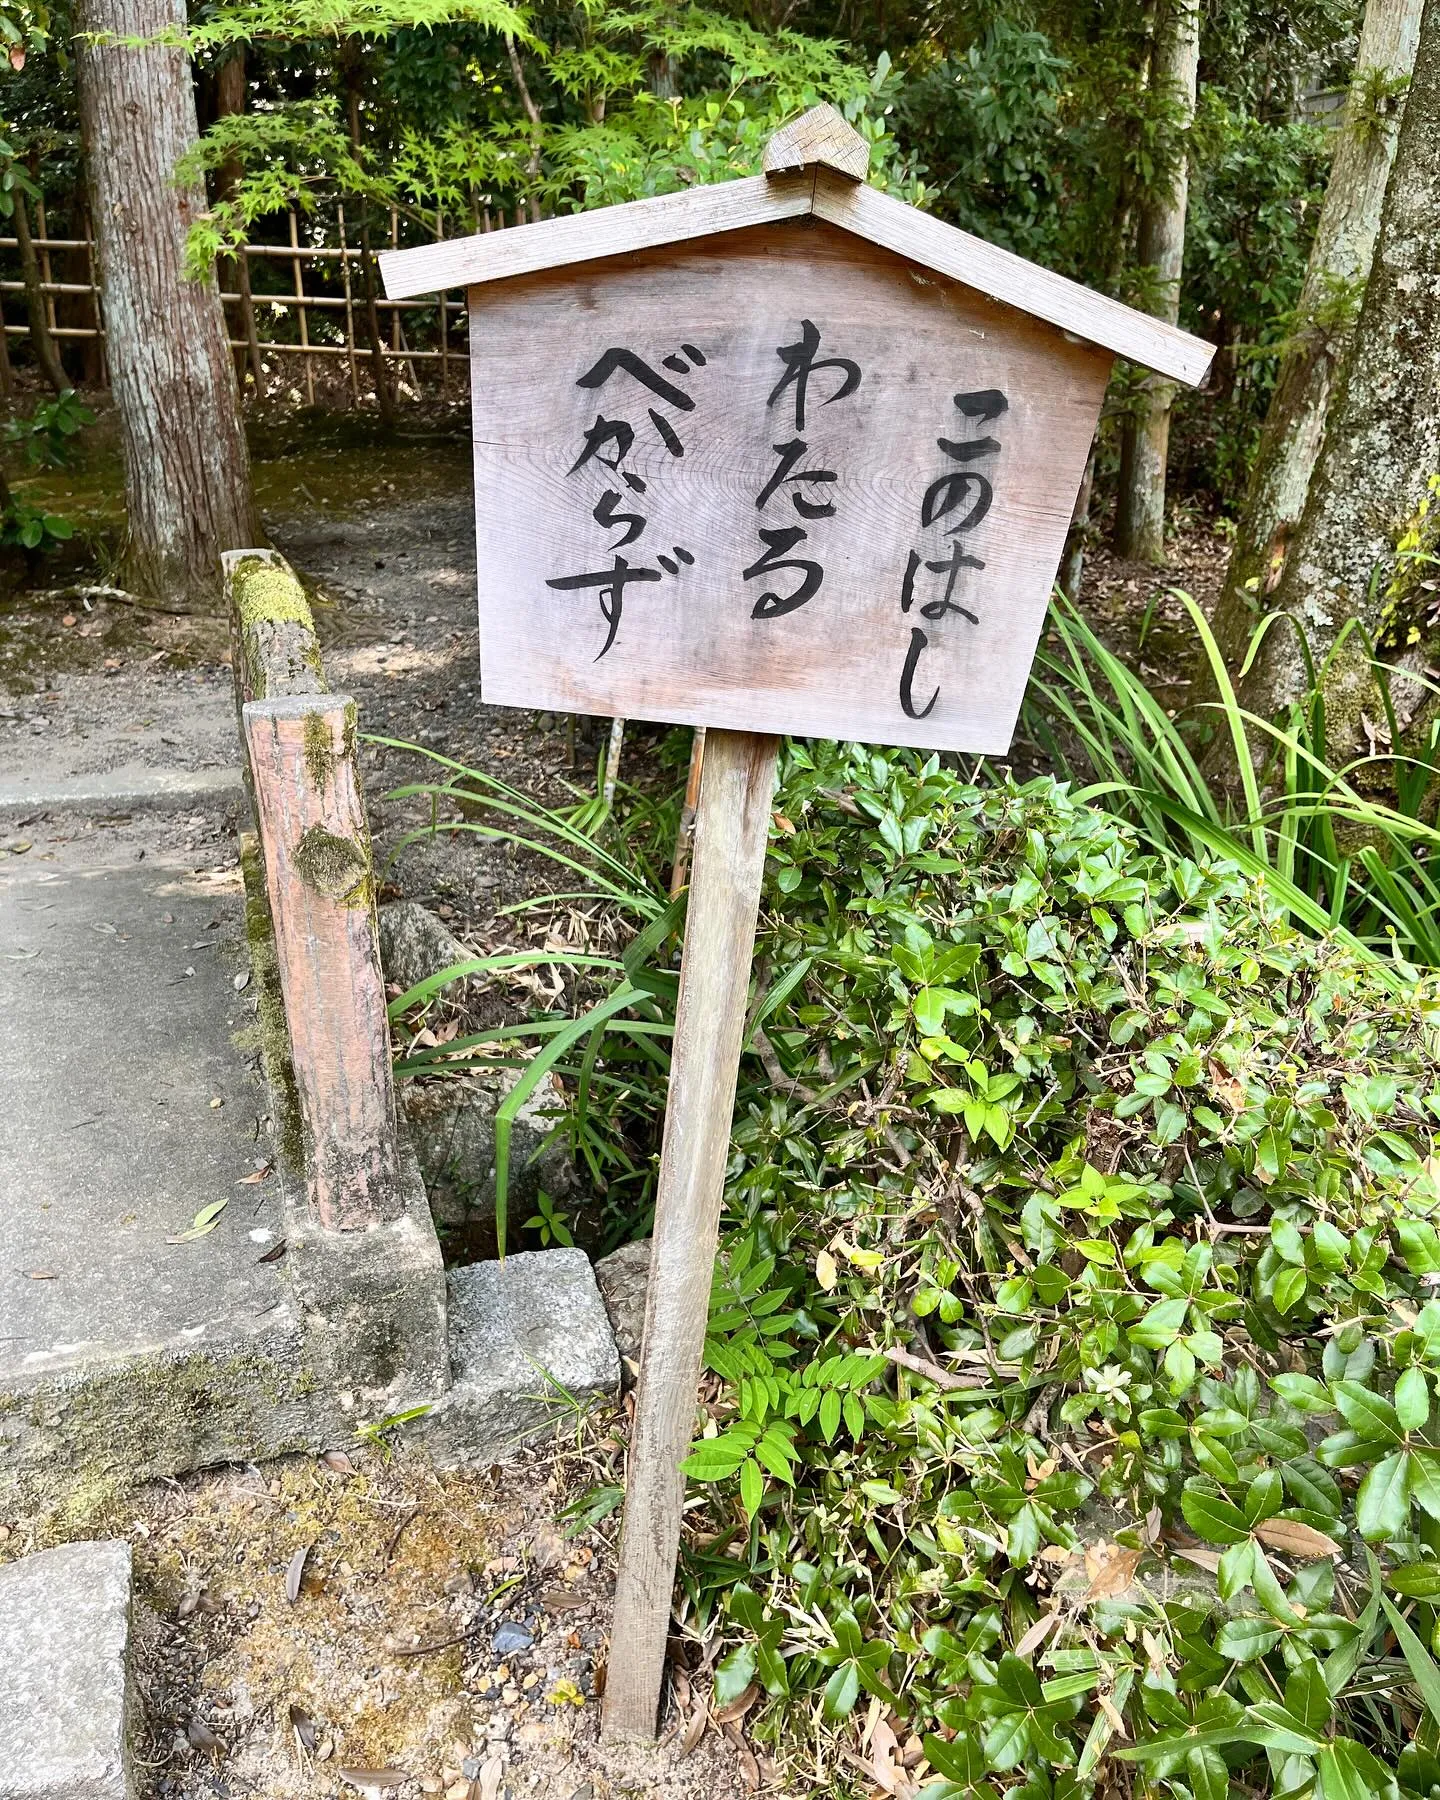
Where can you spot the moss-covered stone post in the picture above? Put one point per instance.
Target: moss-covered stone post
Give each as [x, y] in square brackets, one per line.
[320, 880]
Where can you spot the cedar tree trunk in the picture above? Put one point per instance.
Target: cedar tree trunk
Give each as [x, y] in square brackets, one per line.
[1329, 302]
[1381, 449]
[187, 470]
[1145, 443]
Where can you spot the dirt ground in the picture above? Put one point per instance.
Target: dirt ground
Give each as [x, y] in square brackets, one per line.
[443, 1628]
[361, 1624]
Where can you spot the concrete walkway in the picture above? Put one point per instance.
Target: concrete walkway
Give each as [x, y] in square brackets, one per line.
[128, 1101]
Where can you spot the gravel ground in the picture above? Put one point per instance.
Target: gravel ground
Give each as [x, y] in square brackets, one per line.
[445, 1637]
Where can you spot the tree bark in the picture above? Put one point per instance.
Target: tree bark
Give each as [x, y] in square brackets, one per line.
[384, 395]
[1381, 448]
[1145, 441]
[41, 342]
[1339, 264]
[229, 100]
[187, 469]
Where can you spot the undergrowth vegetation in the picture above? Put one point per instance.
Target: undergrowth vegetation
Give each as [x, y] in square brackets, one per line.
[1068, 1414]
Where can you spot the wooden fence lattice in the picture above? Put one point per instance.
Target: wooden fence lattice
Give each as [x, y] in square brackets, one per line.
[321, 324]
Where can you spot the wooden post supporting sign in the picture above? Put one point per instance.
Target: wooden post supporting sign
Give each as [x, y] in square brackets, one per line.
[732, 823]
[779, 455]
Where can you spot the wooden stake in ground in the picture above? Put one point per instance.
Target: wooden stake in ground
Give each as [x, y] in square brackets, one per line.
[732, 823]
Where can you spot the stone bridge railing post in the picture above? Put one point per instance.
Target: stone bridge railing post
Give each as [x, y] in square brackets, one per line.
[319, 878]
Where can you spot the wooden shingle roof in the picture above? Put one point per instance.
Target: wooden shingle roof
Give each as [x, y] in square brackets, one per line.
[812, 166]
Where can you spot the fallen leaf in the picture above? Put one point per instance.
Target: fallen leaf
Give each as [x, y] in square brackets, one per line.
[1209, 1560]
[204, 1222]
[41, 1275]
[255, 1177]
[694, 1731]
[738, 1707]
[1112, 1713]
[885, 1757]
[1036, 1634]
[490, 1778]
[562, 1600]
[200, 1736]
[373, 1778]
[303, 1726]
[336, 1459]
[274, 1253]
[1294, 1539]
[1110, 1568]
[749, 1768]
[295, 1574]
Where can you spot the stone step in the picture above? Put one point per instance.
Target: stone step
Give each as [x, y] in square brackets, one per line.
[66, 1703]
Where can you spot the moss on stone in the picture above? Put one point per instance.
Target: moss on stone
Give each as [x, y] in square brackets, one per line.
[93, 1441]
[337, 867]
[274, 1033]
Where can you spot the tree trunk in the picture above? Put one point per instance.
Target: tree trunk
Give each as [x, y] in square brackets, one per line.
[229, 100]
[384, 397]
[41, 342]
[1145, 442]
[187, 470]
[1329, 301]
[1381, 448]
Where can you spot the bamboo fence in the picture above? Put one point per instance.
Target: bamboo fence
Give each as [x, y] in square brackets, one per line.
[262, 315]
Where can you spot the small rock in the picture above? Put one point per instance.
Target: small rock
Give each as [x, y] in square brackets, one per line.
[622, 1279]
[511, 1637]
[415, 945]
[64, 1699]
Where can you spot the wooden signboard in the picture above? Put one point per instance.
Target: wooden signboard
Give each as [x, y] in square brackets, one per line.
[782, 455]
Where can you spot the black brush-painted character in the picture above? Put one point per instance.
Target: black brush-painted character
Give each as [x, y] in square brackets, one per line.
[785, 471]
[801, 360]
[969, 494]
[947, 603]
[611, 584]
[778, 544]
[618, 435]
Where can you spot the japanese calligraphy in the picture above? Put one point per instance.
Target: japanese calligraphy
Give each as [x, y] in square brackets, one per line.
[955, 502]
[607, 444]
[808, 488]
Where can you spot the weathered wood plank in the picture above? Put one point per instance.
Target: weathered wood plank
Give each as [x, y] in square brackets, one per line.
[871, 216]
[320, 879]
[818, 136]
[1003, 276]
[731, 828]
[688, 647]
[584, 237]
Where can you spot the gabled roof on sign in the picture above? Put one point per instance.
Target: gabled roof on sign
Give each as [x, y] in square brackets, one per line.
[812, 165]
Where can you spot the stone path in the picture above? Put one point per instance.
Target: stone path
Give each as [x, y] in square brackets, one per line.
[127, 1101]
[65, 1705]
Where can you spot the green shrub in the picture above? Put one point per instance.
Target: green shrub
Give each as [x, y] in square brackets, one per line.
[1069, 1383]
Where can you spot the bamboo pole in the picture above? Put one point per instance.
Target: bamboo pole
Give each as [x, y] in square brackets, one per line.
[349, 305]
[302, 309]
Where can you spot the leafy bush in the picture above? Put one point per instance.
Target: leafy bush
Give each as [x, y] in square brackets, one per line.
[47, 435]
[1078, 1226]
[31, 527]
[1347, 850]
[1069, 1381]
